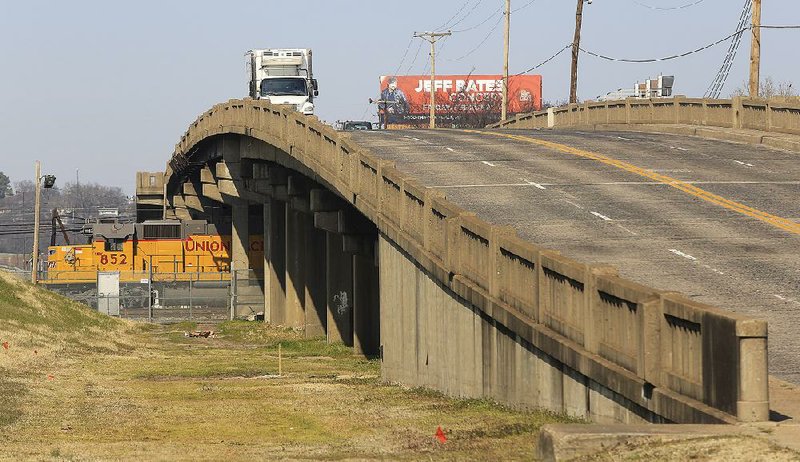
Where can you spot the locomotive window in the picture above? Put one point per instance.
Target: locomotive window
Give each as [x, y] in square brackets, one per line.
[114, 245]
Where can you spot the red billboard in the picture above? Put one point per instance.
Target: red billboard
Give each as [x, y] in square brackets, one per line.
[461, 100]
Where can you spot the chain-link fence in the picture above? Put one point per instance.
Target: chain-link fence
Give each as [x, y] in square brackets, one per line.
[165, 297]
[247, 294]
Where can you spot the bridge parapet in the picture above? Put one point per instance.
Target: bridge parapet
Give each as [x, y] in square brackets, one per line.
[778, 115]
[660, 351]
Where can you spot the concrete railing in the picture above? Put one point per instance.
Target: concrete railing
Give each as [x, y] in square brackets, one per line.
[778, 115]
[679, 359]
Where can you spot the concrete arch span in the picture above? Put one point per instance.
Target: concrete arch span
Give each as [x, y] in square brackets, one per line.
[448, 300]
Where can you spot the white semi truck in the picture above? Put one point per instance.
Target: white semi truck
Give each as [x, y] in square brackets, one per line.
[283, 76]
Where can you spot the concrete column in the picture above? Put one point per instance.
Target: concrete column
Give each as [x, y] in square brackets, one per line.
[296, 227]
[240, 236]
[736, 111]
[275, 266]
[339, 269]
[316, 317]
[366, 304]
[753, 403]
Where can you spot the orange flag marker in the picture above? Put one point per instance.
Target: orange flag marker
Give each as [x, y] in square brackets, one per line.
[440, 435]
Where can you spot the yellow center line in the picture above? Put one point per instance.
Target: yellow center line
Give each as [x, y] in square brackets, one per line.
[774, 220]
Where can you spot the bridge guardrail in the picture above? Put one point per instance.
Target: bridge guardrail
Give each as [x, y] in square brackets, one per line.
[775, 115]
[682, 360]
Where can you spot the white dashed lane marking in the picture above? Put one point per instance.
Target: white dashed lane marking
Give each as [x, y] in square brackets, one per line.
[684, 255]
[786, 299]
[488, 163]
[537, 185]
[451, 149]
[601, 216]
[695, 260]
[743, 163]
[626, 229]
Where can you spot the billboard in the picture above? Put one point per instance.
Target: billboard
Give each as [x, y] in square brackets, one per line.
[461, 100]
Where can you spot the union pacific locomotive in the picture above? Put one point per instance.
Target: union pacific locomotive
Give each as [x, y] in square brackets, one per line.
[187, 250]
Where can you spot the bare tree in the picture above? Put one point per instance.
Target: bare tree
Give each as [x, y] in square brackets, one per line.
[768, 88]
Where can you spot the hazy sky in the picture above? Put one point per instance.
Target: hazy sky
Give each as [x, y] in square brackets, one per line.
[108, 87]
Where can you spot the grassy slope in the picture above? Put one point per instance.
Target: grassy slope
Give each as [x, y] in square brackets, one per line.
[78, 385]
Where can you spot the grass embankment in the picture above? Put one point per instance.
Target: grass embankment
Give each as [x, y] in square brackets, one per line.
[78, 385]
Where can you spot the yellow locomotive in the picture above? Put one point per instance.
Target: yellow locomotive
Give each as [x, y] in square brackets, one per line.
[165, 250]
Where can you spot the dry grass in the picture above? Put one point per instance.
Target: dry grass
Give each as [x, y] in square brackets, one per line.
[702, 449]
[75, 385]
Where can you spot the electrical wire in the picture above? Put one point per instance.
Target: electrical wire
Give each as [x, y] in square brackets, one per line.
[666, 58]
[487, 19]
[403, 59]
[780, 27]
[482, 42]
[668, 8]
[722, 74]
[469, 13]
[531, 2]
[566, 47]
[416, 55]
[447, 23]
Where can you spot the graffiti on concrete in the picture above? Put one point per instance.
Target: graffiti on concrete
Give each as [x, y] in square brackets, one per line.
[341, 303]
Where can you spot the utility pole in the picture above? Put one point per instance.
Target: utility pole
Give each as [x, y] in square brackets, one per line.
[36, 210]
[576, 43]
[432, 37]
[504, 107]
[755, 50]
[49, 181]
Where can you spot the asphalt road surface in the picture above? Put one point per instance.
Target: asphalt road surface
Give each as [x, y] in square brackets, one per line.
[717, 221]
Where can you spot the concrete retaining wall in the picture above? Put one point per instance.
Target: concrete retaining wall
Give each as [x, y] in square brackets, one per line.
[469, 308]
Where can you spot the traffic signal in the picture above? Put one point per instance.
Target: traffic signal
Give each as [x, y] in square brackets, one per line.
[49, 181]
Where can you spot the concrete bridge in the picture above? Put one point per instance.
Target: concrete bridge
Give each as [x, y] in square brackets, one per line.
[537, 269]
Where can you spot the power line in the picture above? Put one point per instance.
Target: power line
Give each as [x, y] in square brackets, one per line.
[447, 23]
[668, 8]
[416, 55]
[469, 13]
[479, 45]
[403, 59]
[531, 2]
[487, 19]
[566, 47]
[666, 58]
[722, 74]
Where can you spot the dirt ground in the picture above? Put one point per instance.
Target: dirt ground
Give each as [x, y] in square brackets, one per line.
[703, 449]
[76, 385]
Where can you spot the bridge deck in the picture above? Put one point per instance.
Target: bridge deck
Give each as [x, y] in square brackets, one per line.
[717, 221]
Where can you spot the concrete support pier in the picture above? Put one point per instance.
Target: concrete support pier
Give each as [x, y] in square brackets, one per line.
[366, 301]
[339, 269]
[316, 316]
[295, 268]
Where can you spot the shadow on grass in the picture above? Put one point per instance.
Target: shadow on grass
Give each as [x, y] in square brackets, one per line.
[11, 394]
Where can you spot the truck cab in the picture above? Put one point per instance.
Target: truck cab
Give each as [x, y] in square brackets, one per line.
[283, 76]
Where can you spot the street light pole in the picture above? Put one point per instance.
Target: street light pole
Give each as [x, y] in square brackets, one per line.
[432, 37]
[576, 44]
[504, 107]
[36, 211]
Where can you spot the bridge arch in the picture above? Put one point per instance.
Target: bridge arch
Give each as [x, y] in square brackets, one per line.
[446, 299]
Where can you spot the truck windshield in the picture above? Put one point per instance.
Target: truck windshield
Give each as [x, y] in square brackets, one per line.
[283, 86]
